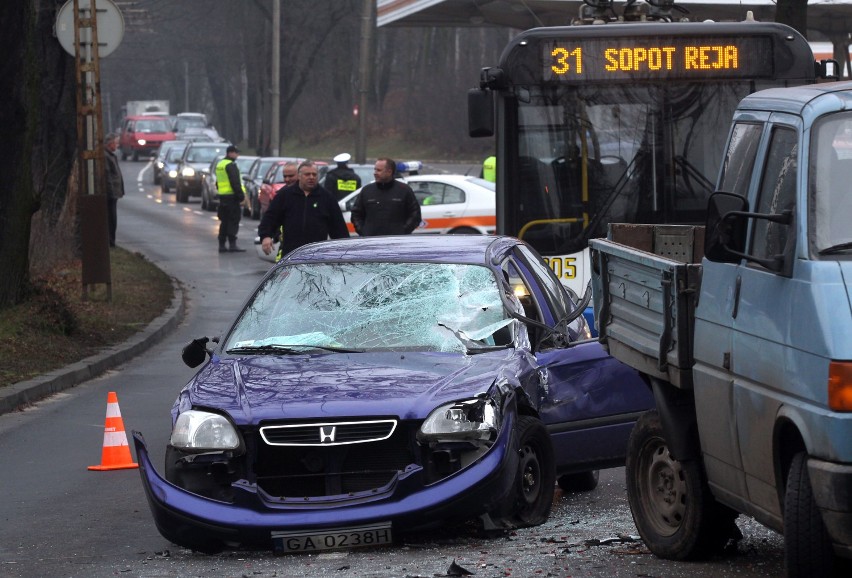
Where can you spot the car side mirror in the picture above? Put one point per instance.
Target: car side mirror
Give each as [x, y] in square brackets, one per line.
[195, 352]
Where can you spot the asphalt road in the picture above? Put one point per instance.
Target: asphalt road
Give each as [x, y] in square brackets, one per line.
[59, 519]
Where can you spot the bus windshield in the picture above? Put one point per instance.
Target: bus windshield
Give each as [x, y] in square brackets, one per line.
[596, 154]
[622, 122]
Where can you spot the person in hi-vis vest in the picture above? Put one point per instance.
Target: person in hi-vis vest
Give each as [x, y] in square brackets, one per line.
[231, 194]
[341, 180]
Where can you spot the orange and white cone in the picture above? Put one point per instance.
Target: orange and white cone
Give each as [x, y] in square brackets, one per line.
[116, 452]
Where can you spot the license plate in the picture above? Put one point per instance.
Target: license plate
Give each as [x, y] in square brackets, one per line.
[335, 539]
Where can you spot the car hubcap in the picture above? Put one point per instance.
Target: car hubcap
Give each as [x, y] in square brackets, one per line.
[663, 488]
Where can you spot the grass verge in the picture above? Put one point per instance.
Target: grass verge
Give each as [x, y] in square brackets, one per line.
[54, 326]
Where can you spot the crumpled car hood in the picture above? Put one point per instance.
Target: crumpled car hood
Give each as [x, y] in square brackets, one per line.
[409, 385]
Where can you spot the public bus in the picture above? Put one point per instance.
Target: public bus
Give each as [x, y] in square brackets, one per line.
[620, 122]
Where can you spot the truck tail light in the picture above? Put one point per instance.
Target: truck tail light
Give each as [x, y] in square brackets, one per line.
[840, 386]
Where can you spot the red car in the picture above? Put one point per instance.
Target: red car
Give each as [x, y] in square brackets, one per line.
[143, 135]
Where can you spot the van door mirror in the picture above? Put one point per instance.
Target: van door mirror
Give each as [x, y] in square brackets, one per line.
[725, 233]
[480, 113]
[725, 229]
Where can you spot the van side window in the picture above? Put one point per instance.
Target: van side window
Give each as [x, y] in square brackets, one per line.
[777, 194]
[739, 158]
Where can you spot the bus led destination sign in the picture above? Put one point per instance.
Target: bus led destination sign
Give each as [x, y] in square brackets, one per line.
[594, 59]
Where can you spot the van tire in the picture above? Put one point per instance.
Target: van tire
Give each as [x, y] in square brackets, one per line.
[807, 546]
[672, 507]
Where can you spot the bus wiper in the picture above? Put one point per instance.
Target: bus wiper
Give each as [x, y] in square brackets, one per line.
[837, 248]
[289, 348]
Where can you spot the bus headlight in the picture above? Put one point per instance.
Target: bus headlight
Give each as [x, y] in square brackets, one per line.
[201, 430]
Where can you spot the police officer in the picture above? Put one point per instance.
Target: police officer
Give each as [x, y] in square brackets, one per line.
[231, 195]
[342, 180]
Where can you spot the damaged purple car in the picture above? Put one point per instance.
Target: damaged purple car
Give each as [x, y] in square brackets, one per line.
[374, 386]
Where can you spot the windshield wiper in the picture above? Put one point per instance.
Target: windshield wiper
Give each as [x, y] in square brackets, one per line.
[837, 248]
[289, 348]
[471, 347]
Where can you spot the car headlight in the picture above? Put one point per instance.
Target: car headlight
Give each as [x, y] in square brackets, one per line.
[142, 142]
[202, 430]
[159, 165]
[472, 419]
[188, 172]
[173, 174]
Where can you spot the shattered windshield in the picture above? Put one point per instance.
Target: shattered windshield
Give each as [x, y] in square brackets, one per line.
[376, 306]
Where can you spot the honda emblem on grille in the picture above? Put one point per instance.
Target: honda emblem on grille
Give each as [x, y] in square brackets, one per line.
[327, 434]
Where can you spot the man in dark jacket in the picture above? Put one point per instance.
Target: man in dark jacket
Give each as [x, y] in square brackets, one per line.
[341, 180]
[304, 211]
[387, 206]
[114, 183]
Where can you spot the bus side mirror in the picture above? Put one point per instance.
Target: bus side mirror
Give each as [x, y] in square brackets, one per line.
[480, 113]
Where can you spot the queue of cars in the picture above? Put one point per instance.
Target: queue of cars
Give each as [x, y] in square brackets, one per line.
[420, 380]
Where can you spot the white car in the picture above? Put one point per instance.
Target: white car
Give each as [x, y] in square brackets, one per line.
[454, 204]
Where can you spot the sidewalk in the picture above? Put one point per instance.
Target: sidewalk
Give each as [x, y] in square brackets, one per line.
[23, 393]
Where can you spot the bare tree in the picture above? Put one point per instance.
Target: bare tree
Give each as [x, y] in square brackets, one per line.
[38, 119]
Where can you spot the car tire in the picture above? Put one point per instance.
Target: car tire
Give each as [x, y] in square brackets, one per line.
[255, 209]
[579, 482]
[807, 546]
[180, 194]
[464, 231]
[535, 481]
[135, 156]
[672, 507]
[165, 187]
[123, 155]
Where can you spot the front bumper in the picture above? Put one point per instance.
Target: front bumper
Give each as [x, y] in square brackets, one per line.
[832, 487]
[209, 525]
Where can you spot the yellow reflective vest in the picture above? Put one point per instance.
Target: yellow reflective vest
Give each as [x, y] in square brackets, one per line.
[223, 183]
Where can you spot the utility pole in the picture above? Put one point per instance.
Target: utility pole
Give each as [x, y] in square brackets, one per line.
[368, 27]
[275, 129]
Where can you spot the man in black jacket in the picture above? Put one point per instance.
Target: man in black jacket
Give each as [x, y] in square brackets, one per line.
[114, 183]
[387, 206]
[305, 213]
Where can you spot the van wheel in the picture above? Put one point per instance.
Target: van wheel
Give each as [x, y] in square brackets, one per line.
[535, 481]
[807, 546]
[671, 503]
[580, 482]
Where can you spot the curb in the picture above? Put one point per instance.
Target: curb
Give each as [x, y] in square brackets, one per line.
[18, 395]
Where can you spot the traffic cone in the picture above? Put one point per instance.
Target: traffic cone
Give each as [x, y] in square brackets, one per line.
[116, 452]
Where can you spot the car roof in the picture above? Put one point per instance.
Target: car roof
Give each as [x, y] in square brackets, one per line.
[465, 249]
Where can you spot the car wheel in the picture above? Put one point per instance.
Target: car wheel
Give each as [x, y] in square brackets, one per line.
[165, 187]
[580, 482]
[670, 500]
[535, 481]
[464, 231]
[180, 194]
[135, 156]
[255, 209]
[123, 155]
[807, 546]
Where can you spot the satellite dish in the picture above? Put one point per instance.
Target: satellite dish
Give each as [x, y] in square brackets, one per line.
[110, 26]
